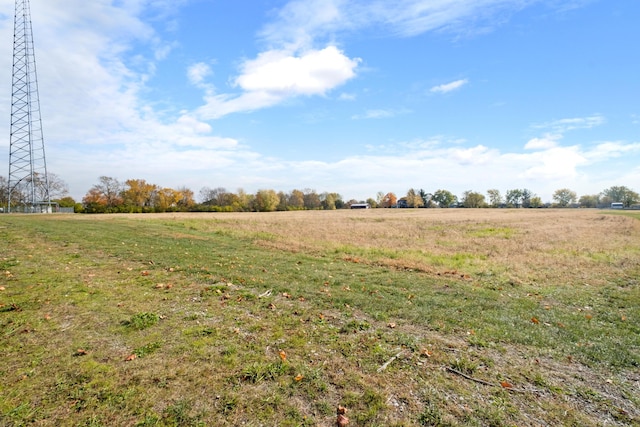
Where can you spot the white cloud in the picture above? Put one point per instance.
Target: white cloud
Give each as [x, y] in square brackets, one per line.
[300, 22]
[608, 150]
[378, 114]
[277, 75]
[555, 163]
[448, 87]
[347, 97]
[565, 125]
[198, 72]
[312, 73]
[546, 142]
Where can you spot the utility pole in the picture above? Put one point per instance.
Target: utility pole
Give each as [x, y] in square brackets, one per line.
[28, 185]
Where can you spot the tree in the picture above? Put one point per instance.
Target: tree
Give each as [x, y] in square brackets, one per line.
[165, 199]
[535, 202]
[4, 192]
[413, 199]
[620, 194]
[564, 197]
[105, 196]
[111, 190]
[471, 199]
[513, 198]
[495, 198]
[444, 198]
[426, 197]
[526, 198]
[215, 197]
[241, 201]
[139, 193]
[373, 203]
[329, 201]
[296, 200]
[185, 198]
[266, 201]
[66, 202]
[311, 199]
[389, 200]
[589, 201]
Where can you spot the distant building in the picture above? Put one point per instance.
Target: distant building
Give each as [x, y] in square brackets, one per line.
[617, 205]
[360, 206]
[402, 203]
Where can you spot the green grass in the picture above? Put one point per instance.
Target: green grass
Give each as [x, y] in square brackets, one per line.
[207, 313]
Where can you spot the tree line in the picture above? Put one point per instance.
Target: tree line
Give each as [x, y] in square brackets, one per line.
[110, 195]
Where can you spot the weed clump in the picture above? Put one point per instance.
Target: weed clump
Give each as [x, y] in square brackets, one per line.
[142, 321]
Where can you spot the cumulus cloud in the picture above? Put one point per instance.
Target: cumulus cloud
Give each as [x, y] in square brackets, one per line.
[546, 142]
[314, 72]
[612, 149]
[448, 87]
[277, 75]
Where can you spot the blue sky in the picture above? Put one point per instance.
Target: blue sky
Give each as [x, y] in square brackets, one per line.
[354, 97]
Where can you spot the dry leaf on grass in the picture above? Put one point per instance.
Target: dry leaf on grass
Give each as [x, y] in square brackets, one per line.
[342, 419]
[130, 357]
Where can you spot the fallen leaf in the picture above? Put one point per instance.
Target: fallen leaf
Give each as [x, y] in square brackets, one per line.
[145, 273]
[2, 288]
[342, 419]
[623, 318]
[283, 355]
[130, 357]
[299, 377]
[505, 384]
[588, 317]
[286, 295]
[535, 320]
[47, 316]
[391, 325]
[81, 352]
[427, 353]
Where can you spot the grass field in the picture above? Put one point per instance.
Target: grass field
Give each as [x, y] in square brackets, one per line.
[415, 317]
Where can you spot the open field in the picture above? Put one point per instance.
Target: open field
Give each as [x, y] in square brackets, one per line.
[415, 317]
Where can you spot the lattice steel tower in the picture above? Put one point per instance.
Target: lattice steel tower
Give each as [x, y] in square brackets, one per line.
[28, 184]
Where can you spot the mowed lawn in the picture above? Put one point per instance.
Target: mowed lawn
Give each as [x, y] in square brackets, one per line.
[403, 317]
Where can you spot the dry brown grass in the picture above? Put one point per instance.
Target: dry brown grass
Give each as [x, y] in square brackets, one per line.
[525, 245]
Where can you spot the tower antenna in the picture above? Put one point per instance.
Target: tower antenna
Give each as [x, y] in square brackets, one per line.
[28, 184]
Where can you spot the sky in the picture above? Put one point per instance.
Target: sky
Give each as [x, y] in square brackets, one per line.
[349, 96]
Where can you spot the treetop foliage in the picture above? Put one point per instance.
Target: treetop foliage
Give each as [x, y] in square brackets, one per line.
[109, 195]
